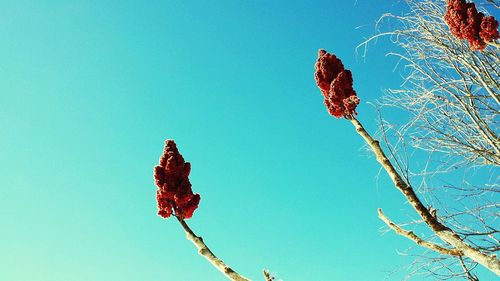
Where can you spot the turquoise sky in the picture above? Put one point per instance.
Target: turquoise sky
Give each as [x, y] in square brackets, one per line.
[89, 90]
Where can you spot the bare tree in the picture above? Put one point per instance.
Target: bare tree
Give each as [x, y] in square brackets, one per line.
[451, 97]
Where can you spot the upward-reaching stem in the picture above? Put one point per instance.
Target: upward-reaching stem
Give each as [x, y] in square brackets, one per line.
[443, 232]
[207, 253]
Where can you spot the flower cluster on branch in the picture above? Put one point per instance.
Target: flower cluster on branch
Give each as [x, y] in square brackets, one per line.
[174, 189]
[335, 83]
[466, 22]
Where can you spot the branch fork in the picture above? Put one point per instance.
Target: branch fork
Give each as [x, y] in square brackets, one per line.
[459, 247]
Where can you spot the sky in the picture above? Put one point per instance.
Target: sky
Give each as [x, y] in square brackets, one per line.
[89, 91]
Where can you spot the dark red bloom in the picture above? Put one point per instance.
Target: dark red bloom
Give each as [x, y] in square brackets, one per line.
[489, 29]
[174, 189]
[335, 84]
[466, 22]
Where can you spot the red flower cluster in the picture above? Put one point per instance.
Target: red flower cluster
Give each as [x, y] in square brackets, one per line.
[174, 189]
[335, 84]
[466, 22]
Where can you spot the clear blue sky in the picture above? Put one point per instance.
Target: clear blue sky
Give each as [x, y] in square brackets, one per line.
[89, 91]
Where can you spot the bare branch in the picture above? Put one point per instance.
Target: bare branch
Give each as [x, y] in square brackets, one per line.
[412, 236]
[443, 232]
[467, 272]
[204, 251]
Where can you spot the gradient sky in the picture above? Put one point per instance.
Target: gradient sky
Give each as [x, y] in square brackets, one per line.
[90, 90]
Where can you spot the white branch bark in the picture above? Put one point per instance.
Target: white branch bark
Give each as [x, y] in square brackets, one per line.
[443, 232]
[204, 251]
